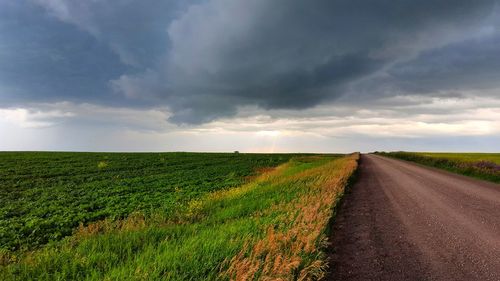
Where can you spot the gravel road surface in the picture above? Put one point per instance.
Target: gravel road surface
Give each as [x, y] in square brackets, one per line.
[403, 221]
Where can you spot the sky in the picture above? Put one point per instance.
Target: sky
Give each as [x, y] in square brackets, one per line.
[252, 76]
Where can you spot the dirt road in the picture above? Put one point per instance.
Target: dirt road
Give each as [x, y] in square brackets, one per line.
[402, 221]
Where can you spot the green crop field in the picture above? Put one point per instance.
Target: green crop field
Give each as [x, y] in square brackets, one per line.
[484, 166]
[195, 227]
[469, 157]
[46, 195]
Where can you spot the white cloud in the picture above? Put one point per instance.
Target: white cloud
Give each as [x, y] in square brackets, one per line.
[33, 118]
[453, 117]
[345, 127]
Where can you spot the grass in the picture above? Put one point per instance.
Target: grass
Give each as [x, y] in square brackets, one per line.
[272, 228]
[468, 157]
[45, 195]
[484, 166]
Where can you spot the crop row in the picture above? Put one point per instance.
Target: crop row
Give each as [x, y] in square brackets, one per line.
[46, 195]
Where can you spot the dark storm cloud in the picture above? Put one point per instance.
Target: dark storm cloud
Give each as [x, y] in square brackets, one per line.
[44, 60]
[294, 89]
[135, 30]
[452, 71]
[70, 50]
[296, 54]
[469, 65]
[204, 59]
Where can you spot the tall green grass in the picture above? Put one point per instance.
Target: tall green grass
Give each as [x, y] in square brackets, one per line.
[484, 166]
[275, 224]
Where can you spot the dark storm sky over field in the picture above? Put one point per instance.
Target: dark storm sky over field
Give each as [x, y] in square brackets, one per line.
[262, 75]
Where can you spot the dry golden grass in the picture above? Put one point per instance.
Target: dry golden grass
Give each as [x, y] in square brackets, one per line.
[133, 222]
[279, 255]
[258, 172]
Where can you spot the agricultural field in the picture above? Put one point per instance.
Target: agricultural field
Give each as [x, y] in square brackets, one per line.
[46, 195]
[467, 157]
[484, 166]
[271, 227]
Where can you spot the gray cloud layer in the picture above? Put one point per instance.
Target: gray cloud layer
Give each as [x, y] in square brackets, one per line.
[296, 54]
[205, 59]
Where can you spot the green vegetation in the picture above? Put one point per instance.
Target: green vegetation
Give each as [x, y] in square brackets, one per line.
[45, 195]
[467, 157]
[270, 228]
[484, 166]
